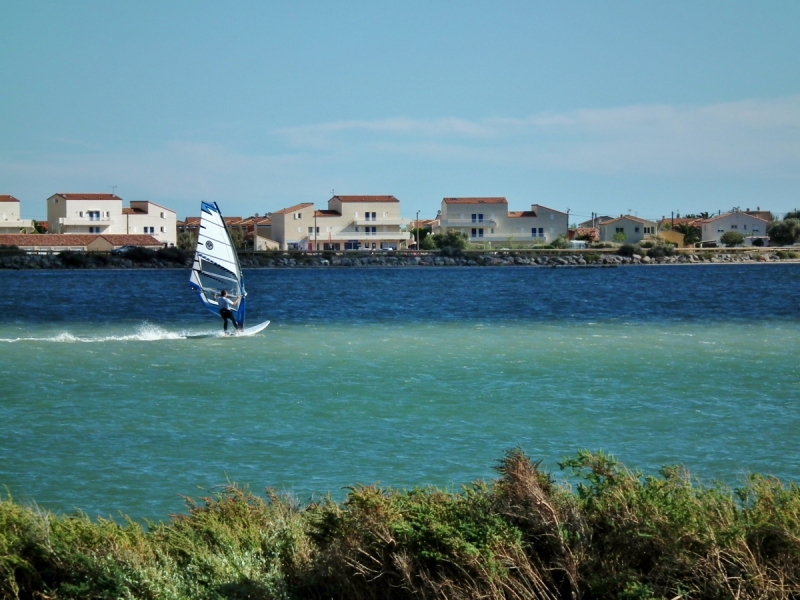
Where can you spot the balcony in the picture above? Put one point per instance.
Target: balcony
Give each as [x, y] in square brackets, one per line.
[344, 236]
[85, 221]
[467, 223]
[380, 221]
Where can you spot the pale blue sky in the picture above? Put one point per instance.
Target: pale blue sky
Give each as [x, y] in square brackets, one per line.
[591, 106]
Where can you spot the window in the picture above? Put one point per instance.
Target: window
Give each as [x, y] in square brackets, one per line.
[374, 217]
[636, 230]
[163, 230]
[163, 215]
[80, 214]
[474, 218]
[374, 231]
[480, 233]
[94, 215]
[649, 229]
[620, 230]
[94, 230]
[541, 232]
[356, 228]
[310, 231]
[734, 227]
[474, 232]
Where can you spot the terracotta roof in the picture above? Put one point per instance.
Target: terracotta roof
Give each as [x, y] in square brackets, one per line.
[6, 198]
[76, 239]
[497, 200]
[679, 221]
[592, 232]
[131, 239]
[422, 223]
[154, 204]
[727, 214]
[365, 198]
[548, 208]
[294, 208]
[88, 196]
[516, 214]
[47, 239]
[327, 213]
[628, 218]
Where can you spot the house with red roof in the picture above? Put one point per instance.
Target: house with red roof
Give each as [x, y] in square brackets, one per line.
[749, 225]
[10, 220]
[77, 242]
[487, 219]
[632, 228]
[84, 213]
[349, 223]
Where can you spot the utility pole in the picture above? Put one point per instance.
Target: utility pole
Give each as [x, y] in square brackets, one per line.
[315, 231]
[417, 224]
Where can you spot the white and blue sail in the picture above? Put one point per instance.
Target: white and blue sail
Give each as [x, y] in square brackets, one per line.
[216, 265]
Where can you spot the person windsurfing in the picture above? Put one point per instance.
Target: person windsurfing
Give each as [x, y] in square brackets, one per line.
[225, 306]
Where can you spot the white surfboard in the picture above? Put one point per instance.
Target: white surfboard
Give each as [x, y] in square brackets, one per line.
[248, 331]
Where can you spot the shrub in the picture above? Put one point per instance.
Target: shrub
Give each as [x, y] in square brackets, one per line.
[11, 251]
[140, 254]
[758, 242]
[659, 251]
[626, 250]
[173, 254]
[591, 257]
[731, 238]
[73, 259]
[784, 233]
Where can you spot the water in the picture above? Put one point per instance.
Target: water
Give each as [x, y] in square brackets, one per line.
[403, 376]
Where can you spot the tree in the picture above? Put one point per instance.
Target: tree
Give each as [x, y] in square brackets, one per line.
[421, 233]
[731, 238]
[792, 214]
[620, 238]
[561, 241]
[187, 240]
[691, 233]
[784, 233]
[451, 239]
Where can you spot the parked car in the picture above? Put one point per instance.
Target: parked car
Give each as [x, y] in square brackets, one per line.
[123, 249]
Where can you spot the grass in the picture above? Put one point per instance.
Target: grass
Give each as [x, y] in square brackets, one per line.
[617, 533]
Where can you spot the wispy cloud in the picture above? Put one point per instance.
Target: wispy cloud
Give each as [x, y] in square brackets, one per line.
[756, 136]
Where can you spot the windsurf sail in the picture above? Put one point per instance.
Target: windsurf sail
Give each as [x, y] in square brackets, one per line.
[216, 265]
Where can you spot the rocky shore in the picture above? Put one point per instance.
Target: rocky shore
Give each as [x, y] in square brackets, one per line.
[298, 260]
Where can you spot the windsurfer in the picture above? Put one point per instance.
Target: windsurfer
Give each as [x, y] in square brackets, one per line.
[225, 306]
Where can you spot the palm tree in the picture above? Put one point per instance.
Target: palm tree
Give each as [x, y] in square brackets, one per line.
[691, 233]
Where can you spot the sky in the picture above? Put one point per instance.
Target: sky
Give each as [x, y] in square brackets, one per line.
[646, 108]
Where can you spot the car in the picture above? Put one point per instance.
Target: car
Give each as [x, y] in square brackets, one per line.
[123, 250]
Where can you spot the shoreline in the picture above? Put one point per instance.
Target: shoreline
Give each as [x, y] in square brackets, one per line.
[90, 262]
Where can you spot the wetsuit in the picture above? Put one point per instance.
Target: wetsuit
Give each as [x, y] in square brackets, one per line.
[225, 306]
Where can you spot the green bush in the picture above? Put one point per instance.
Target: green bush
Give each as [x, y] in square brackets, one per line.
[140, 254]
[784, 233]
[626, 250]
[759, 242]
[11, 250]
[616, 534]
[73, 259]
[731, 238]
[660, 251]
[173, 254]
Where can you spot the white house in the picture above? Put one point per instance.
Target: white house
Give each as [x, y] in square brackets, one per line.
[10, 220]
[633, 228]
[748, 225]
[489, 220]
[104, 214]
[349, 223]
[145, 217]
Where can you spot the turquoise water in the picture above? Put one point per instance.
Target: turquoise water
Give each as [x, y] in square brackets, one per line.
[407, 377]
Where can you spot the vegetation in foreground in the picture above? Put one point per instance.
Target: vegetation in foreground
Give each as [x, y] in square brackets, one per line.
[619, 534]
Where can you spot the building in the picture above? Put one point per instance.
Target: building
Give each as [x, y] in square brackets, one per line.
[489, 220]
[349, 223]
[633, 228]
[750, 226]
[104, 214]
[10, 220]
[145, 217]
[77, 242]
